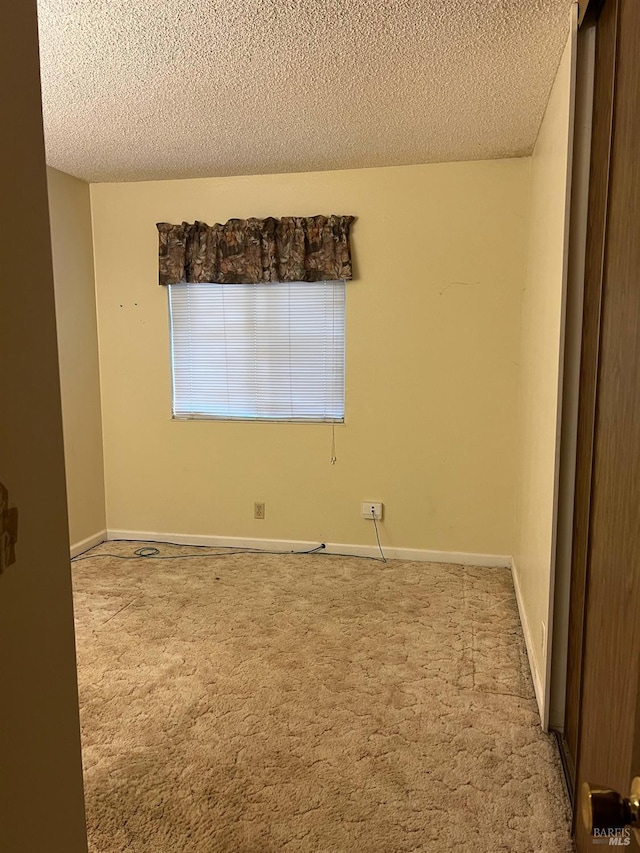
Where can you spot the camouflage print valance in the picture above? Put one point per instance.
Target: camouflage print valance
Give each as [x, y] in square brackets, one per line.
[313, 248]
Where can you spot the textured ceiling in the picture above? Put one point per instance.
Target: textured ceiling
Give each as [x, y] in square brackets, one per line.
[147, 89]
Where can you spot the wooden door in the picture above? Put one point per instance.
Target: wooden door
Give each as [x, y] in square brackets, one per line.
[608, 736]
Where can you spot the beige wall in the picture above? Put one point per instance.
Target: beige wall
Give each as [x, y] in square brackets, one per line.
[41, 799]
[540, 371]
[72, 244]
[432, 349]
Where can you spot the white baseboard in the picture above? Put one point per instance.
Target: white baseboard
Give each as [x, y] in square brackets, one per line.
[89, 542]
[458, 558]
[538, 684]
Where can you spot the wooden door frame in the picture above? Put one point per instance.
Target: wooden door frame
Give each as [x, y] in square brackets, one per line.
[582, 101]
[604, 15]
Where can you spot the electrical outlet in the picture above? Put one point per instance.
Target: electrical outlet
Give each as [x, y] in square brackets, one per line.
[371, 509]
[544, 640]
[258, 510]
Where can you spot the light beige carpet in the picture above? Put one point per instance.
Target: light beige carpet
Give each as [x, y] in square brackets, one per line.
[309, 703]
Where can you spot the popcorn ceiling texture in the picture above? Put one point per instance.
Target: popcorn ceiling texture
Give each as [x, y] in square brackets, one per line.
[313, 704]
[143, 89]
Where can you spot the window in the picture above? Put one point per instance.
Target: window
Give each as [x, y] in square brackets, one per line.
[271, 352]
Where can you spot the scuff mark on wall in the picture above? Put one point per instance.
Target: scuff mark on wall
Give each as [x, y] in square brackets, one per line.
[457, 284]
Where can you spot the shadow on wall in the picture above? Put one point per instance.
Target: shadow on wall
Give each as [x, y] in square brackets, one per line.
[8, 530]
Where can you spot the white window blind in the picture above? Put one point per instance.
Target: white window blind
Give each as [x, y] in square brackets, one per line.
[258, 351]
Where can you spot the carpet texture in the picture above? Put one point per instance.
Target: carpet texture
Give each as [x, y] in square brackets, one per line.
[254, 703]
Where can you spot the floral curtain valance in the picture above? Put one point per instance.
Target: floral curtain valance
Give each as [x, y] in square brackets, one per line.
[312, 248]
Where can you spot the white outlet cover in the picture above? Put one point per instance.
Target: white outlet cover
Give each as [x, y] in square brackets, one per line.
[365, 510]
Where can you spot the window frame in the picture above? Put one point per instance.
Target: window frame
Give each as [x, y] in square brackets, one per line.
[257, 419]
